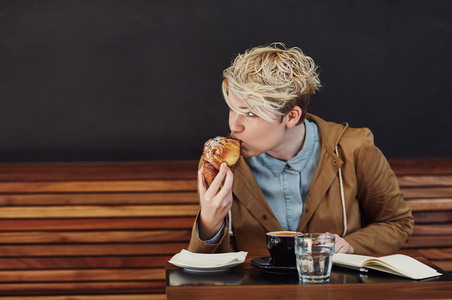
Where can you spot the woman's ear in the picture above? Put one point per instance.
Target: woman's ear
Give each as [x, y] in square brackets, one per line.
[293, 116]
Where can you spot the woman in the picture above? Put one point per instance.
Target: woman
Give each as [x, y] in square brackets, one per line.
[297, 172]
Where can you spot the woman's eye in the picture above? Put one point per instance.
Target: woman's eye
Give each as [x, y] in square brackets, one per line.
[250, 114]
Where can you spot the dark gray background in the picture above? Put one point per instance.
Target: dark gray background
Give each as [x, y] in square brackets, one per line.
[140, 80]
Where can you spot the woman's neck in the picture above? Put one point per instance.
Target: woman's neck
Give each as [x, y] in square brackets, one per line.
[291, 144]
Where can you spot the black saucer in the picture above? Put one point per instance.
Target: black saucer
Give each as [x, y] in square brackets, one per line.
[266, 264]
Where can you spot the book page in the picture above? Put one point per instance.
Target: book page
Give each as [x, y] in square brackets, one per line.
[405, 265]
[397, 264]
[352, 260]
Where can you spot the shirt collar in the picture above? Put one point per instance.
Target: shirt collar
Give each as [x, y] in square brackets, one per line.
[299, 161]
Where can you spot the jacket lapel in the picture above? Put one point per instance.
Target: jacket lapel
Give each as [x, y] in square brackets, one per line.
[324, 177]
[248, 192]
[327, 169]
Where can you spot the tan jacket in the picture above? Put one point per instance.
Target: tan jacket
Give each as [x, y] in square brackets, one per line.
[378, 219]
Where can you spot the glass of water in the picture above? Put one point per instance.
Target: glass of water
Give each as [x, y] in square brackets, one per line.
[314, 255]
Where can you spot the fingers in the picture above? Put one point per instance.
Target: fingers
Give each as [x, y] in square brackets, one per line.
[202, 184]
[216, 183]
[342, 246]
[226, 189]
[217, 199]
[338, 248]
[338, 245]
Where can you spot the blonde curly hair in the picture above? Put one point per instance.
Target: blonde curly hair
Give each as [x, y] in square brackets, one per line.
[271, 80]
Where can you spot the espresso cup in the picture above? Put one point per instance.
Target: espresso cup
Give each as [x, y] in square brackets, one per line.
[280, 244]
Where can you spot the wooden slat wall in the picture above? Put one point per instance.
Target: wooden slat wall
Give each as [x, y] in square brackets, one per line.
[88, 231]
[93, 231]
[427, 188]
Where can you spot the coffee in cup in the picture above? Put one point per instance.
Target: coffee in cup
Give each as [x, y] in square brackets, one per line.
[280, 244]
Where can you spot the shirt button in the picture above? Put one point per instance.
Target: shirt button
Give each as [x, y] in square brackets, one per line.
[306, 211]
[264, 217]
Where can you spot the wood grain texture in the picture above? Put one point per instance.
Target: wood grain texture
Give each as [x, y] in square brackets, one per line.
[82, 288]
[101, 249]
[427, 192]
[99, 211]
[426, 204]
[97, 198]
[93, 231]
[427, 188]
[425, 180]
[106, 230]
[76, 224]
[98, 186]
[434, 217]
[98, 170]
[84, 262]
[90, 297]
[421, 241]
[82, 275]
[421, 166]
[433, 229]
[95, 237]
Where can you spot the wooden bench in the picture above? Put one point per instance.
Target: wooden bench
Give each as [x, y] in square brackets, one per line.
[85, 231]
[93, 230]
[427, 188]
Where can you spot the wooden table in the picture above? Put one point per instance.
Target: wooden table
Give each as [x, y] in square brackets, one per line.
[248, 282]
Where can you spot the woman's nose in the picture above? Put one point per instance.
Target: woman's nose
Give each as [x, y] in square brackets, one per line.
[235, 124]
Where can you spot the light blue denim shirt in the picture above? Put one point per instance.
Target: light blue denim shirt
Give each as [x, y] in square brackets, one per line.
[286, 184]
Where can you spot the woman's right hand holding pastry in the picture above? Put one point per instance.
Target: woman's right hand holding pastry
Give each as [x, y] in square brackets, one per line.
[216, 201]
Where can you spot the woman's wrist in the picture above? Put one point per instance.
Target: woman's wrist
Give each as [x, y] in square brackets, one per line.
[207, 230]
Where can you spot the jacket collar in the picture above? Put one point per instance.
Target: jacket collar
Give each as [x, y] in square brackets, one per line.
[330, 133]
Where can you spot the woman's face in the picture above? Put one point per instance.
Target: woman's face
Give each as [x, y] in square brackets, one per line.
[257, 135]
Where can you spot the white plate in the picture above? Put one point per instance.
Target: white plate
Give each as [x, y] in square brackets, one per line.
[208, 266]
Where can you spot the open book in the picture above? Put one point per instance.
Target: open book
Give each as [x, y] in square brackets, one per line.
[397, 264]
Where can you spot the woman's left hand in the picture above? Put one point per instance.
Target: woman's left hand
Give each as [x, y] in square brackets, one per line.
[342, 246]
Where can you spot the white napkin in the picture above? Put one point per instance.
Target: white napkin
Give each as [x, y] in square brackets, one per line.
[208, 260]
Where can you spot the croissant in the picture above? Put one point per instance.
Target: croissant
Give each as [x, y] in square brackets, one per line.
[219, 150]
